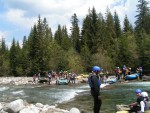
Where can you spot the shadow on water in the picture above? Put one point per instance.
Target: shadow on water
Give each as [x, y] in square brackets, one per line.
[111, 96]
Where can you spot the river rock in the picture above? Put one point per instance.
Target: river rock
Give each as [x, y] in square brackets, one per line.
[146, 78]
[30, 109]
[15, 106]
[39, 105]
[74, 110]
[1, 106]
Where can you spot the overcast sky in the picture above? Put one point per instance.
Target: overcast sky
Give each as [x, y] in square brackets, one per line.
[18, 16]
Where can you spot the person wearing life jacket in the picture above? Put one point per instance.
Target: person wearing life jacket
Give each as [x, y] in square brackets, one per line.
[146, 101]
[94, 82]
[137, 106]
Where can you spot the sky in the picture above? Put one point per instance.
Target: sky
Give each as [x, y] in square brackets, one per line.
[18, 16]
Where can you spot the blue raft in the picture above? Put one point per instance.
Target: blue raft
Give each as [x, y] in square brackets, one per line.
[132, 76]
[111, 80]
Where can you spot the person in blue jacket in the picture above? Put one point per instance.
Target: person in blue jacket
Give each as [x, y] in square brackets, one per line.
[94, 82]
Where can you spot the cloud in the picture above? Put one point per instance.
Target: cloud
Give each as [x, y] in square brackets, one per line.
[25, 12]
[17, 17]
[21, 15]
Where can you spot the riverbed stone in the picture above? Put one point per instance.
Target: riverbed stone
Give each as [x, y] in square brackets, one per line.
[74, 110]
[39, 105]
[1, 106]
[30, 109]
[15, 106]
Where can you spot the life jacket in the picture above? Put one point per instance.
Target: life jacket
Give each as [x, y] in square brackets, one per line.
[91, 82]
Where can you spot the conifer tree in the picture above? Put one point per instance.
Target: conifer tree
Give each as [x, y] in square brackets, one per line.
[142, 29]
[110, 39]
[143, 17]
[66, 41]
[117, 25]
[127, 27]
[24, 57]
[58, 35]
[75, 33]
[4, 59]
[90, 31]
[13, 58]
[33, 50]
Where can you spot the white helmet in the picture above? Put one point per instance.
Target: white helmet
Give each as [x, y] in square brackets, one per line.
[144, 94]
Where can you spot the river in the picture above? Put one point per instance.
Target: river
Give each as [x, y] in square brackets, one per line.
[69, 96]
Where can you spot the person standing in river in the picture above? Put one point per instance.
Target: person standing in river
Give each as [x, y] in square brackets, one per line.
[94, 82]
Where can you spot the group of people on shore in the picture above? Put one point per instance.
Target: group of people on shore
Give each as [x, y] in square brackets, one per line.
[52, 76]
[122, 73]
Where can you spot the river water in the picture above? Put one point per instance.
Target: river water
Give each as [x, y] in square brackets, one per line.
[69, 96]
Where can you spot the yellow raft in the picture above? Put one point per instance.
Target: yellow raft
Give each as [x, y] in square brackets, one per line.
[125, 109]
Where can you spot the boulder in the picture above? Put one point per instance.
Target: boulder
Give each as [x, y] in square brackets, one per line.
[39, 105]
[1, 106]
[74, 110]
[15, 106]
[146, 78]
[30, 109]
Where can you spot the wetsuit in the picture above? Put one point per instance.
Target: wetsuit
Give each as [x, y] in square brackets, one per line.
[138, 107]
[95, 91]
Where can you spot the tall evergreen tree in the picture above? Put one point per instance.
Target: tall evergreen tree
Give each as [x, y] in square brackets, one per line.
[110, 39]
[24, 57]
[143, 17]
[4, 59]
[117, 25]
[90, 31]
[66, 41]
[13, 58]
[75, 32]
[33, 50]
[142, 28]
[58, 35]
[127, 27]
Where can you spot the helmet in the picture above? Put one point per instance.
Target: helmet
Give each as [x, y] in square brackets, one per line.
[144, 94]
[138, 91]
[96, 68]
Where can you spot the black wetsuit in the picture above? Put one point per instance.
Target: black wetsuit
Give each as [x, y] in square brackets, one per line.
[95, 91]
[137, 108]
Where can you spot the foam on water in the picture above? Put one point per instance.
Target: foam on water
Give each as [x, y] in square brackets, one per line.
[87, 86]
[20, 92]
[4, 88]
[67, 95]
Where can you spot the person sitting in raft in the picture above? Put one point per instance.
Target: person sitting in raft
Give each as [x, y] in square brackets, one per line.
[137, 106]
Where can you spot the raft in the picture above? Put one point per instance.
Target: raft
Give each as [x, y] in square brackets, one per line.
[62, 81]
[132, 76]
[125, 109]
[111, 80]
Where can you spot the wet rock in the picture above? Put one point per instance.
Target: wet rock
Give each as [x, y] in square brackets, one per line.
[15, 106]
[146, 78]
[74, 110]
[30, 109]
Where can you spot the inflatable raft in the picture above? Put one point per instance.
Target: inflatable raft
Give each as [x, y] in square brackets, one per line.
[111, 80]
[132, 76]
[125, 109]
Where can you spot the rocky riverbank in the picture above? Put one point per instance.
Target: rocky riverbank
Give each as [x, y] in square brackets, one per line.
[28, 80]
[16, 80]
[21, 106]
